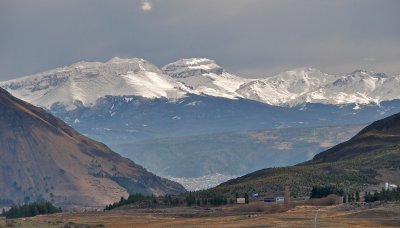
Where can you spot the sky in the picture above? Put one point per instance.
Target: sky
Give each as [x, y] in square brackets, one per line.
[252, 38]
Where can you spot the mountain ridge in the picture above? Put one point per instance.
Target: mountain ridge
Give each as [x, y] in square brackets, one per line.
[68, 85]
[380, 134]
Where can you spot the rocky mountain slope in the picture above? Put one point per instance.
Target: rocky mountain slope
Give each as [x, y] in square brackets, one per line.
[366, 161]
[43, 158]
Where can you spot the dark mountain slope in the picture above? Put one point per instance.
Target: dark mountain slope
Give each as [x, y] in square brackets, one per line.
[43, 158]
[366, 161]
[377, 136]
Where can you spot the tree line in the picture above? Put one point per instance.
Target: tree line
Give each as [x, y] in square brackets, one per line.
[324, 191]
[190, 199]
[384, 195]
[131, 200]
[30, 209]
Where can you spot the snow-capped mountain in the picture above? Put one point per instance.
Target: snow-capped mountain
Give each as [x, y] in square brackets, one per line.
[308, 85]
[205, 77]
[290, 88]
[83, 83]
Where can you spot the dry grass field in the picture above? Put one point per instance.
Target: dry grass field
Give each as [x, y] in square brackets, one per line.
[387, 215]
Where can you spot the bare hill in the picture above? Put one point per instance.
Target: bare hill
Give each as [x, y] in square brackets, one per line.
[43, 158]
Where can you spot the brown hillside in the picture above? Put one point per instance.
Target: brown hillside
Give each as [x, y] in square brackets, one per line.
[43, 158]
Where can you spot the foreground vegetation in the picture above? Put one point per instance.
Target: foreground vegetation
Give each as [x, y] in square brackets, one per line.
[380, 215]
[189, 199]
[30, 209]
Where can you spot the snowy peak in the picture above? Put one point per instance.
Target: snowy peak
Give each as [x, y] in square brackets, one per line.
[309, 85]
[184, 68]
[205, 77]
[85, 82]
[286, 88]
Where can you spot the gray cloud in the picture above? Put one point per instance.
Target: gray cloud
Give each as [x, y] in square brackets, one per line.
[253, 37]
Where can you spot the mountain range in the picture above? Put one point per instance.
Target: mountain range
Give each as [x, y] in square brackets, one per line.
[126, 101]
[81, 84]
[44, 158]
[197, 96]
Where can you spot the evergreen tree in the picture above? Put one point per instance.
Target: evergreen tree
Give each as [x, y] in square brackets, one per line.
[246, 198]
[323, 191]
[30, 209]
[357, 196]
[384, 195]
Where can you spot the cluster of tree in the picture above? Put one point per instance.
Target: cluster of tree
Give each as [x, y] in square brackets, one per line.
[352, 197]
[323, 191]
[213, 200]
[191, 199]
[131, 200]
[31, 209]
[384, 195]
[171, 200]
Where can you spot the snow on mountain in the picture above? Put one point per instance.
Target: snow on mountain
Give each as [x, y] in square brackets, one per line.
[205, 77]
[290, 88]
[308, 85]
[81, 84]
[84, 82]
[286, 87]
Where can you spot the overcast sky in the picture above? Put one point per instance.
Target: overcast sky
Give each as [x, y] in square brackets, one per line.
[253, 38]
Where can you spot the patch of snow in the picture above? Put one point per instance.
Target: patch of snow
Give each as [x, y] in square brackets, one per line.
[176, 118]
[128, 99]
[193, 103]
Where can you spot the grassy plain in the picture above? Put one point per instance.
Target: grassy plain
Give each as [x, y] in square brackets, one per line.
[384, 215]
